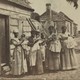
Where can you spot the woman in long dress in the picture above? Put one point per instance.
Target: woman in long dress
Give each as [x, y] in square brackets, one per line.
[26, 49]
[54, 48]
[68, 56]
[35, 55]
[17, 61]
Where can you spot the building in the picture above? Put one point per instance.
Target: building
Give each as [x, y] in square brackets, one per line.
[75, 28]
[69, 23]
[50, 17]
[13, 14]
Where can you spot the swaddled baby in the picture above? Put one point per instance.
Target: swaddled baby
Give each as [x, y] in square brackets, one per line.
[71, 43]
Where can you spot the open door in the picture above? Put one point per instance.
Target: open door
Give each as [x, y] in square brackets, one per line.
[4, 41]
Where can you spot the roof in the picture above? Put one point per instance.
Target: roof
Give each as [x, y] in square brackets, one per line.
[65, 17]
[22, 3]
[35, 16]
[54, 12]
[55, 16]
[75, 24]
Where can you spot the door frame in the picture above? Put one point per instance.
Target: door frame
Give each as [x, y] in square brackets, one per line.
[7, 37]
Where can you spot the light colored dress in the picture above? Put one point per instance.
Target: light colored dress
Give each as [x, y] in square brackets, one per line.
[43, 50]
[68, 56]
[18, 62]
[35, 57]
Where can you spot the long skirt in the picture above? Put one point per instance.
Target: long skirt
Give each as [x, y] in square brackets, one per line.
[37, 64]
[54, 61]
[68, 59]
[47, 58]
[19, 63]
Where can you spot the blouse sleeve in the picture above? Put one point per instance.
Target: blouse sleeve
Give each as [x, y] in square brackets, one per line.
[59, 36]
[14, 42]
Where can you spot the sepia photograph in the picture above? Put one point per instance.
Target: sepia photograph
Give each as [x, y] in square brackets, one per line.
[39, 39]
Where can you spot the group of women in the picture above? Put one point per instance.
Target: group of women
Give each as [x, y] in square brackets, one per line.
[38, 54]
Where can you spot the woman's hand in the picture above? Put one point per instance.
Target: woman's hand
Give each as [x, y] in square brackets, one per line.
[63, 38]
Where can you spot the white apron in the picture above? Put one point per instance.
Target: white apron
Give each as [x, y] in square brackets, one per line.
[33, 51]
[55, 46]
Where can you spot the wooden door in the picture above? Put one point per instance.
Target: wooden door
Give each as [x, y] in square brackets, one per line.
[3, 41]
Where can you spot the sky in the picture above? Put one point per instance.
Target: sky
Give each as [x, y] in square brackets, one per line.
[58, 5]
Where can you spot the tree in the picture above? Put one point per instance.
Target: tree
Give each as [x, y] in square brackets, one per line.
[75, 2]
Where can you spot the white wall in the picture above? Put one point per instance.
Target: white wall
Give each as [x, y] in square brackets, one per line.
[8, 9]
[17, 16]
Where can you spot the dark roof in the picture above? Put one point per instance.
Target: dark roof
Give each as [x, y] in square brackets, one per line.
[55, 16]
[65, 17]
[35, 16]
[22, 3]
[75, 24]
[54, 12]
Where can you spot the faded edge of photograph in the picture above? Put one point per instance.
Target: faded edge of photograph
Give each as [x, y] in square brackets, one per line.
[39, 40]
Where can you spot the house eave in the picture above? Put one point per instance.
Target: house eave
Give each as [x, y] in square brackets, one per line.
[21, 5]
[17, 5]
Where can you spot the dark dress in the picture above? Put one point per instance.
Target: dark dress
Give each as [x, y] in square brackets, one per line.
[39, 62]
[53, 54]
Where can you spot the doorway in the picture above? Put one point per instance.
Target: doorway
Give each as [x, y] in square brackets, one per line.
[4, 40]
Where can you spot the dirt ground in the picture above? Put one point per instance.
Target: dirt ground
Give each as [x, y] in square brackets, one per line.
[60, 75]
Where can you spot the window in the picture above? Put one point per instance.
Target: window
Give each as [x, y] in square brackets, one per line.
[68, 26]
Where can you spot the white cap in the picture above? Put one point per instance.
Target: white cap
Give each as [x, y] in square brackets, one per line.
[16, 30]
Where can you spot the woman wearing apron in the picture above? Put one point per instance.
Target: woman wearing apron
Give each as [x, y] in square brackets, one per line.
[17, 61]
[35, 55]
[54, 50]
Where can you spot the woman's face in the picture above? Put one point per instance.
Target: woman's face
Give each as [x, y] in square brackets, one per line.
[63, 30]
[23, 37]
[38, 35]
[52, 30]
[16, 34]
[33, 35]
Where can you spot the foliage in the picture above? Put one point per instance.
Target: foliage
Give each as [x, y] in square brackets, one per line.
[75, 3]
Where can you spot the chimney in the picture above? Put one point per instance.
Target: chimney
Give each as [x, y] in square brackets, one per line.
[48, 6]
[48, 10]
